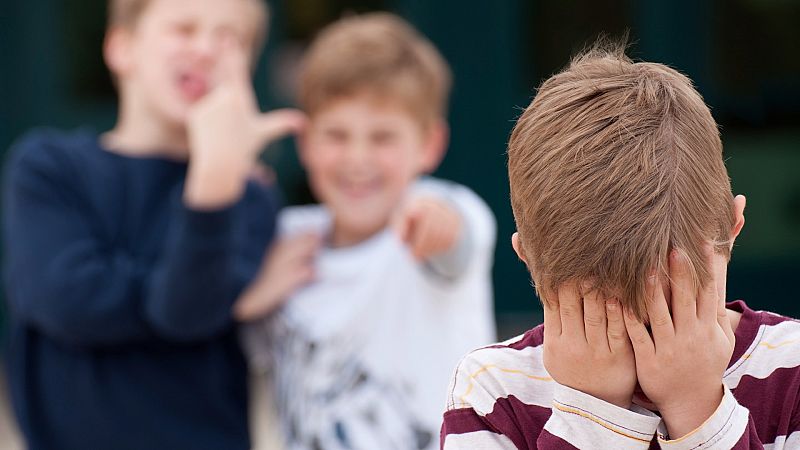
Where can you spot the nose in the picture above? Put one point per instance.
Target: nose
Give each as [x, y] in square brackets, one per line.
[207, 46]
[357, 153]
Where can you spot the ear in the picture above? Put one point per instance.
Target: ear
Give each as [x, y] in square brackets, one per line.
[739, 203]
[436, 140]
[518, 247]
[117, 51]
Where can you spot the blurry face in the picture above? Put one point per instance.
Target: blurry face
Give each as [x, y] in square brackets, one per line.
[169, 59]
[361, 156]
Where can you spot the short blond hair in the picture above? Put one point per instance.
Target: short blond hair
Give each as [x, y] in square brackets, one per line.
[612, 166]
[379, 54]
[126, 14]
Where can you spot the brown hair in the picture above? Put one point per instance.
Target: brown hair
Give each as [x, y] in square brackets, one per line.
[126, 14]
[612, 165]
[379, 54]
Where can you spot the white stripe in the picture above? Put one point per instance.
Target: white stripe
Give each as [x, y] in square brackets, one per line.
[478, 440]
[491, 373]
[784, 443]
[776, 346]
[584, 433]
[722, 430]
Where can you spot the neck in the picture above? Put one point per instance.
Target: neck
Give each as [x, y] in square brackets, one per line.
[345, 237]
[139, 132]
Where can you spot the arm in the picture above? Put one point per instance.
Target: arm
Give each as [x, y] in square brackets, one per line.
[208, 259]
[77, 288]
[730, 427]
[60, 278]
[446, 226]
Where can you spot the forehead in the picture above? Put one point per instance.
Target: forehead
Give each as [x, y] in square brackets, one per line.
[372, 109]
[242, 15]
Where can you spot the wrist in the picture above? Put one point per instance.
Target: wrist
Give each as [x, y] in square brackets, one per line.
[214, 184]
[681, 417]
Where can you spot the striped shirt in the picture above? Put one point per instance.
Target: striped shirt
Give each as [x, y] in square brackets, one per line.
[502, 398]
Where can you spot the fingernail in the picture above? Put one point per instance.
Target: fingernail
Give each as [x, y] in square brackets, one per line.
[612, 304]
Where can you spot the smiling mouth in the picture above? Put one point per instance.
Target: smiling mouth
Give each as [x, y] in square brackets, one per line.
[359, 189]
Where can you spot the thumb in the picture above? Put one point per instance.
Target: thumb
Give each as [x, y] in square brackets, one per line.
[279, 123]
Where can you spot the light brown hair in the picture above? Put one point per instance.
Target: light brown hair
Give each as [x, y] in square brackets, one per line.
[612, 165]
[378, 54]
[126, 14]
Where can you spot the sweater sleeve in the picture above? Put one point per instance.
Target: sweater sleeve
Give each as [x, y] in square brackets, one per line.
[67, 283]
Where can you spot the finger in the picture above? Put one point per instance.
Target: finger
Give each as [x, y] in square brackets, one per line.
[279, 123]
[405, 221]
[640, 339]
[707, 297]
[552, 318]
[424, 238]
[682, 290]
[615, 327]
[658, 311]
[594, 319]
[570, 308]
[234, 66]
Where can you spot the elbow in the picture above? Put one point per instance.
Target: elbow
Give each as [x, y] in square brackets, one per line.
[176, 324]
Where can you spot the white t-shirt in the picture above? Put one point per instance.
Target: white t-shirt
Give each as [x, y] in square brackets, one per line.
[362, 357]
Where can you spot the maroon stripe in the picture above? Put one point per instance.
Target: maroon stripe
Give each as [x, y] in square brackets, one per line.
[748, 327]
[531, 338]
[750, 439]
[773, 402]
[519, 421]
[463, 420]
[552, 442]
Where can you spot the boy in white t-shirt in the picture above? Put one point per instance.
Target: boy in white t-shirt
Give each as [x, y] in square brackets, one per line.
[388, 282]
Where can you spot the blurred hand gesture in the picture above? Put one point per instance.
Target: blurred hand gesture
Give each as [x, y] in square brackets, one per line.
[288, 265]
[428, 226]
[227, 131]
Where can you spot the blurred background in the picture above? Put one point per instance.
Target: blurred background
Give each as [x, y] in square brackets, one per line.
[742, 55]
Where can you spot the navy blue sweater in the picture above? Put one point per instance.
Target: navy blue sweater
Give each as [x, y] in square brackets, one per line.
[119, 297]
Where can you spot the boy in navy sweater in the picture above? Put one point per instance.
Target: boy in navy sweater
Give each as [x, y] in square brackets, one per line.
[126, 250]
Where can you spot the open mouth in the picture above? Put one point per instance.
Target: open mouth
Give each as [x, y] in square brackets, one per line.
[192, 86]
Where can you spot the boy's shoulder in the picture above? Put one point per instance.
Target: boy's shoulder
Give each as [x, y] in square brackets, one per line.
[512, 370]
[40, 144]
[767, 344]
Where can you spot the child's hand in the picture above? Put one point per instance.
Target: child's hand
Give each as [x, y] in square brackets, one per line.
[226, 131]
[680, 367]
[288, 265]
[586, 346]
[429, 227]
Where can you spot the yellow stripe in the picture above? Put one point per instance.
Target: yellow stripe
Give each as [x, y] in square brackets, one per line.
[502, 369]
[774, 346]
[596, 420]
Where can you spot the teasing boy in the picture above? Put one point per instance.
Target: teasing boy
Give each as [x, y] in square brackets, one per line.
[388, 280]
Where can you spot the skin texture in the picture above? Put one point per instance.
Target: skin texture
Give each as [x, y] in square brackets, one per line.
[183, 74]
[361, 155]
[623, 354]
